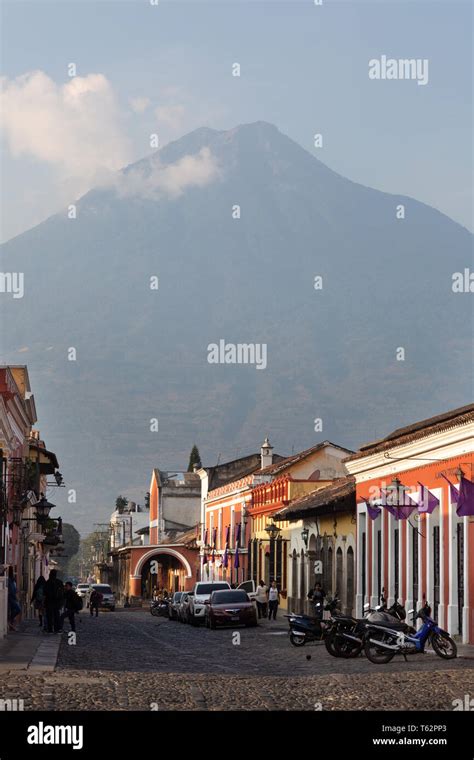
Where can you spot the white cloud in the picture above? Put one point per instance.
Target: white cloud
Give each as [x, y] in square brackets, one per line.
[74, 127]
[169, 180]
[171, 116]
[139, 105]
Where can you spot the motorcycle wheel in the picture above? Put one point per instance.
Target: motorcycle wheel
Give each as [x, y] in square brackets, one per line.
[329, 643]
[374, 653]
[297, 641]
[347, 649]
[444, 646]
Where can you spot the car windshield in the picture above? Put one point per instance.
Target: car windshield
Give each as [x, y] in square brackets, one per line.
[229, 597]
[208, 588]
[83, 585]
[177, 596]
[103, 589]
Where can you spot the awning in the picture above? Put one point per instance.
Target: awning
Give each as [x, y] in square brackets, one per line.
[47, 460]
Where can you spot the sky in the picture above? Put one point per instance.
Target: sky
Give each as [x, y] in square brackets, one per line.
[166, 69]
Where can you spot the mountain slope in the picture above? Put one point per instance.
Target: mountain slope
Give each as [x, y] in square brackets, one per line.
[142, 354]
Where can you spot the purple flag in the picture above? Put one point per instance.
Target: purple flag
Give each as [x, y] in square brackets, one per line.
[236, 558]
[408, 507]
[453, 492]
[373, 511]
[427, 501]
[466, 498]
[205, 537]
[225, 558]
[237, 535]
[214, 537]
[387, 503]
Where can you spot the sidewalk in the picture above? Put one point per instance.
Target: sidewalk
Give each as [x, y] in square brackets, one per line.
[29, 649]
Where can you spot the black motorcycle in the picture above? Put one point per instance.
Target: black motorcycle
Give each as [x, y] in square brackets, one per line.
[305, 629]
[159, 607]
[348, 632]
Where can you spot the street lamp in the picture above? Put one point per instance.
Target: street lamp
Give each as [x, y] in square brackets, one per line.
[273, 531]
[43, 508]
[305, 536]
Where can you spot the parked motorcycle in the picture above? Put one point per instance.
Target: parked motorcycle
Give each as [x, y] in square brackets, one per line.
[306, 629]
[348, 632]
[382, 642]
[159, 607]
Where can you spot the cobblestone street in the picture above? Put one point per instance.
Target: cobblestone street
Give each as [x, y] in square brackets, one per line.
[129, 660]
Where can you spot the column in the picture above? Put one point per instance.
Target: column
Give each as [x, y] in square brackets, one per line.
[465, 609]
[361, 527]
[410, 603]
[453, 608]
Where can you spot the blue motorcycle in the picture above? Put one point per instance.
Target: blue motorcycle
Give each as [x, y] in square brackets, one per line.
[382, 642]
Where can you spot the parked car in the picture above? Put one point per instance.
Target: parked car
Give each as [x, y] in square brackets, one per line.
[183, 608]
[232, 607]
[108, 596]
[174, 605]
[82, 590]
[201, 593]
[250, 587]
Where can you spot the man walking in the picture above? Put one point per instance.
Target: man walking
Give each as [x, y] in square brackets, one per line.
[71, 605]
[273, 601]
[94, 602]
[54, 599]
[261, 599]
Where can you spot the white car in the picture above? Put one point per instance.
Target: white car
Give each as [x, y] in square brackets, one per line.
[251, 588]
[201, 594]
[82, 589]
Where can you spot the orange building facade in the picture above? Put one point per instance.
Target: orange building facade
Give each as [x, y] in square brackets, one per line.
[404, 551]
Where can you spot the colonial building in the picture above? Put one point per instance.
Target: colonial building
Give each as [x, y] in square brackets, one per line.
[322, 528]
[240, 541]
[25, 544]
[275, 487]
[415, 519]
[169, 557]
[129, 525]
[226, 492]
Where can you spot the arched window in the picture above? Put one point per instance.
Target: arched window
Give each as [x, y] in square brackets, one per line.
[302, 577]
[350, 581]
[339, 589]
[294, 575]
[329, 571]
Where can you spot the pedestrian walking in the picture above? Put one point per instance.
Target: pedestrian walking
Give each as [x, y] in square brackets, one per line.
[273, 601]
[14, 609]
[72, 604]
[261, 597]
[54, 600]
[94, 602]
[38, 600]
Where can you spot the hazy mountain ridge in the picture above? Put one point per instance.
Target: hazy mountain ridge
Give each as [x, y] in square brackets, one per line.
[141, 354]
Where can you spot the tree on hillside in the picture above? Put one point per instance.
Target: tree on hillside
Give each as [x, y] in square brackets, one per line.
[194, 458]
[120, 503]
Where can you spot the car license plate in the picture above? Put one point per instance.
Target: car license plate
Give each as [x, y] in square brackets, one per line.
[234, 617]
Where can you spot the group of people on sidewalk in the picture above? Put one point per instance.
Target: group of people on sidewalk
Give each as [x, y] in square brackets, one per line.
[268, 599]
[54, 601]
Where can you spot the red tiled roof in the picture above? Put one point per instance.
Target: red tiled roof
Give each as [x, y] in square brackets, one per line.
[417, 430]
[341, 488]
[273, 469]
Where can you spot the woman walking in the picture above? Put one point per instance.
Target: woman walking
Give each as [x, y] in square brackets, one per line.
[261, 599]
[38, 600]
[273, 601]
